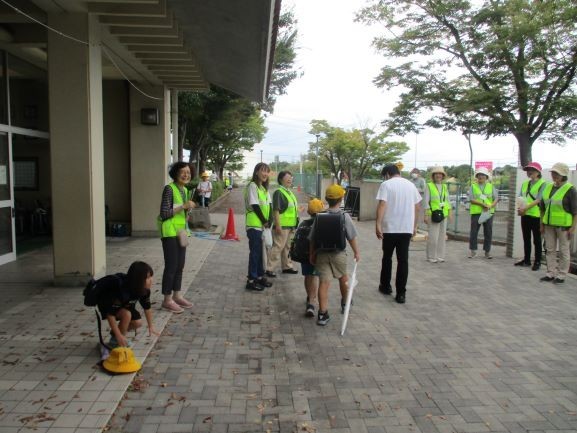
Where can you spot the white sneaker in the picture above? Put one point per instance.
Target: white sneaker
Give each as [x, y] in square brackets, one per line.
[433, 260]
[440, 260]
[472, 254]
[488, 255]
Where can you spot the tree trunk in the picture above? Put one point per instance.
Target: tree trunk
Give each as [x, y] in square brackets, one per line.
[181, 140]
[525, 145]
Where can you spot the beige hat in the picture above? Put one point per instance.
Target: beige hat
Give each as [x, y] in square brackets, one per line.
[438, 169]
[561, 169]
[482, 170]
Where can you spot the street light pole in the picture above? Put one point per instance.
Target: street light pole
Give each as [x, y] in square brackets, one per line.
[261, 155]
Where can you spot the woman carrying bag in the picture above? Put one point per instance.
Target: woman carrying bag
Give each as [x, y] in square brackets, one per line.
[174, 207]
[437, 211]
[258, 218]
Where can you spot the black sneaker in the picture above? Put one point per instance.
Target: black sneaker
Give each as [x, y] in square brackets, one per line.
[254, 285]
[263, 282]
[290, 271]
[522, 263]
[558, 281]
[344, 304]
[310, 311]
[536, 266]
[400, 299]
[546, 279]
[323, 318]
[385, 290]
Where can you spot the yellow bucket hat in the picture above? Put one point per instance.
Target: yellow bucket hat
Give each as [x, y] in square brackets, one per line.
[205, 174]
[315, 206]
[121, 360]
[335, 191]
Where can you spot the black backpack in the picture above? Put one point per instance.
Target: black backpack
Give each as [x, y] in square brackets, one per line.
[93, 292]
[330, 232]
[299, 249]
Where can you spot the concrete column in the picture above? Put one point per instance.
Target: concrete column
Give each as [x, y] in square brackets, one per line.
[76, 149]
[149, 158]
[174, 123]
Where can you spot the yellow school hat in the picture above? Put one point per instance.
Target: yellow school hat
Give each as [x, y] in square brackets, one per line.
[121, 360]
[335, 191]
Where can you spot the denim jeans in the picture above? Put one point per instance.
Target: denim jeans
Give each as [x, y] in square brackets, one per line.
[255, 256]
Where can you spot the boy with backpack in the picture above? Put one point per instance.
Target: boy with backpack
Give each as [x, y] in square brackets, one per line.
[299, 252]
[116, 297]
[329, 235]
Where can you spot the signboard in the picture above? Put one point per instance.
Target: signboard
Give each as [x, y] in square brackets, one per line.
[487, 164]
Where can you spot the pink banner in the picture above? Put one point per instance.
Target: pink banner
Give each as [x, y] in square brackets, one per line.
[487, 164]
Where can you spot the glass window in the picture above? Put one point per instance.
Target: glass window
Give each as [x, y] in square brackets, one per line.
[28, 95]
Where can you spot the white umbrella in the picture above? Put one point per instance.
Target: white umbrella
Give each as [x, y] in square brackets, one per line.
[352, 283]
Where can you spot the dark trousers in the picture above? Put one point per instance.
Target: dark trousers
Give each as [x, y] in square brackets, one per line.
[487, 233]
[255, 255]
[174, 258]
[399, 242]
[532, 225]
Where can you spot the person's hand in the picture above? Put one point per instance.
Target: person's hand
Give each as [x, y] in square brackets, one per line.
[122, 341]
[426, 220]
[278, 230]
[521, 212]
[357, 257]
[542, 228]
[313, 259]
[152, 331]
[570, 232]
[378, 232]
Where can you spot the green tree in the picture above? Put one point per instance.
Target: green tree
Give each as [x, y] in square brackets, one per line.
[354, 151]
[283, 72]
[505, 66]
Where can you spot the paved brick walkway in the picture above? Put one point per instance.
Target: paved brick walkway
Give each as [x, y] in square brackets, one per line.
[480, 346]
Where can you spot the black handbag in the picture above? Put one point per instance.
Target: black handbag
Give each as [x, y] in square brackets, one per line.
[437, 216]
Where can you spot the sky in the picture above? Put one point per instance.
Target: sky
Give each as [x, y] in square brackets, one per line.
[338, 65]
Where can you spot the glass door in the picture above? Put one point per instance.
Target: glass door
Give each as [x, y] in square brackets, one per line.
[7, 239]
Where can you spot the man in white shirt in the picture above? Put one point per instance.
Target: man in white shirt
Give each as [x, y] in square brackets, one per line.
[399, 202]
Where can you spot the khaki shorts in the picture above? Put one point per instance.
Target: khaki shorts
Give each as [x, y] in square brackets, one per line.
[331, 264]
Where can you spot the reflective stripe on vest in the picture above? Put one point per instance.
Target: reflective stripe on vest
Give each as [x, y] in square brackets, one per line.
[530, 195]
[435, 200]
[170, 227]
[555, 214]
[487, 192]
[289, 217]
[252, 219]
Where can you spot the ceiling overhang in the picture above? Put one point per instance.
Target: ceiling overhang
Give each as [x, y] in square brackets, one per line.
[182, 44]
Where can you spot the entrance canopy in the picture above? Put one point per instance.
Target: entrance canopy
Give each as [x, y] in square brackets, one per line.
[181, 44]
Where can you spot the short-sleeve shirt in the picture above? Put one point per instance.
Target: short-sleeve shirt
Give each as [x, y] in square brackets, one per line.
[117, 295]
[207, 186]
[253, 195]
[420, 184]
[401, 196]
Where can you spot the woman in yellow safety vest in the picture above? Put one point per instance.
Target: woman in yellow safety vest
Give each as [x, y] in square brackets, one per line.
[484, 198]
[258, 217]
[175, 204]
[437, 211]
[558, 220]
[531, 192]
[286, 218]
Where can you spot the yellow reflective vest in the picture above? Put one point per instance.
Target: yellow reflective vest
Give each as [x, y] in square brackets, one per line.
[289, 218]
[170, 227]
[530, 195]
[555, 214]
[437, 201]
[252, 219]
[487, 192]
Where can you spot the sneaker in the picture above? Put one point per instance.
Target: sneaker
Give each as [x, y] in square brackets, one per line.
[264, 282]
[488, 255]
[441, 260]
[472, 254]
[290, 271]
[310, 311]
[172, 306]
[323, 318]
[400, 299]
[183, 303]
[254, 285]
[522, 263]
[432, 260]
[536, 266]
[546, 279]
[270, 274]
[558, 281]
[344, 304]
